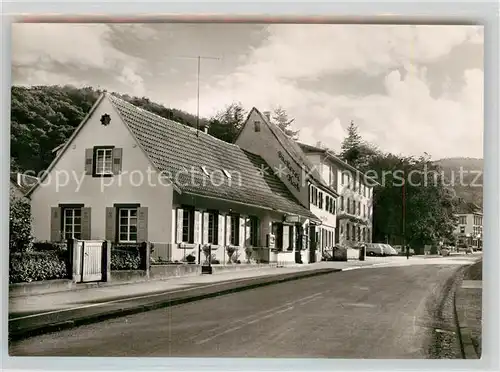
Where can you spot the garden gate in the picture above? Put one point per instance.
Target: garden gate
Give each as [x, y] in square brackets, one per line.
[88, 260]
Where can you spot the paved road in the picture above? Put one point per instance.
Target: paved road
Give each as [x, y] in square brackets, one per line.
[368, 313]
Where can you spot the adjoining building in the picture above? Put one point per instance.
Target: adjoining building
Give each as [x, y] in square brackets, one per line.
[20, 184]
[128, 176]
[355, 201]
[469, 230]
[301, 176]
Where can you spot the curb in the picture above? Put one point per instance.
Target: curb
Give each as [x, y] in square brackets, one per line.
[466, 346]
[20, 334]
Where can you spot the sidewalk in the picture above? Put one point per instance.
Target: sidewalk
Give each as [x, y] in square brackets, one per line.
[468, 304]
[30, 315]
[27, 305]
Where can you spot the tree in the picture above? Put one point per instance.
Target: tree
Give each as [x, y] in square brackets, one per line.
[226, 124]
[44, 117]
[280, 118]
[356, 151]
[429, 207]
[20, 238]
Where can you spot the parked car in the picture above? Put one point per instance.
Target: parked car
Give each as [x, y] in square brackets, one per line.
[389, 250]
[374, 249]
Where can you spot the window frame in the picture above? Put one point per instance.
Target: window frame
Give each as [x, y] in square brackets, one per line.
[95, 157]
[73, 207]
[129, 208]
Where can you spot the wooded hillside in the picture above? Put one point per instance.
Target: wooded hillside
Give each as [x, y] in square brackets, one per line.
[44, 117]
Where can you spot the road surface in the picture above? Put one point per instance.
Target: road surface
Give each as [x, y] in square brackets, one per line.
[386, 312]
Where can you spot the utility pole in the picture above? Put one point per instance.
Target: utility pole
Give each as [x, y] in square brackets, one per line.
[403, 197]
[198, 58]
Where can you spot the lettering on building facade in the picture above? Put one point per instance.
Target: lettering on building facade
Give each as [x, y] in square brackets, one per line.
[292, 175]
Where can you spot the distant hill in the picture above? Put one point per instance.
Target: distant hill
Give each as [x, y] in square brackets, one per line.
[465, 176]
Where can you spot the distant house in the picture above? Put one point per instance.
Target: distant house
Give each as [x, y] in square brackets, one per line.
[355, 189]
[469, 231]
[301, 176]
[20, 183]
[129, 176]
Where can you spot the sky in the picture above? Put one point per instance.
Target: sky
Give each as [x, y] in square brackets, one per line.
[410, 89]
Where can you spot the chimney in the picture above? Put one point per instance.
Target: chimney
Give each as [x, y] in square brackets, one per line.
[267, 114]
[205, 127]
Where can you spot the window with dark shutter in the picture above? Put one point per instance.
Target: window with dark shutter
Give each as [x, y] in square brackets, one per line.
[72, 223]
[213, 227]
[254, 231]
[188, 225]
[55, 224]
[235, 230]
[127, 225]
[117, 160]
[105, 161]
[277, 229]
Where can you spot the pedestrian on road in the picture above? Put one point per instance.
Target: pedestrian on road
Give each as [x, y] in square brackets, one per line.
[407, 252]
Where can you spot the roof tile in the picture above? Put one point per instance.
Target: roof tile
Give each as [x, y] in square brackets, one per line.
[180, 151]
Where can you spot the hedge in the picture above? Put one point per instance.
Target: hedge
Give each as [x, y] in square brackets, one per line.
[125, 258]
[36, 266]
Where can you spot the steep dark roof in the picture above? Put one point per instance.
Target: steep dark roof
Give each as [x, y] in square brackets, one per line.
[295, 152]
[175, 148]
[314, 149]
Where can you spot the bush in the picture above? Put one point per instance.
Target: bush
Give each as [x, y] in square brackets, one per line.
[190, 258]
[36, 266]
[20, 239]
[40, 246]
[125, 258]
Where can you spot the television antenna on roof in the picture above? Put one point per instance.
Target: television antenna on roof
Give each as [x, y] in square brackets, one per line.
[198, 58]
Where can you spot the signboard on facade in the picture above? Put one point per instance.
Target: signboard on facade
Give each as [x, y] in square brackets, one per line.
[292, 175]
[292, 219]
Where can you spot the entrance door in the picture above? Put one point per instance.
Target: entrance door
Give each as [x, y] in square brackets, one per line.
[313, 244]
[91, 260]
